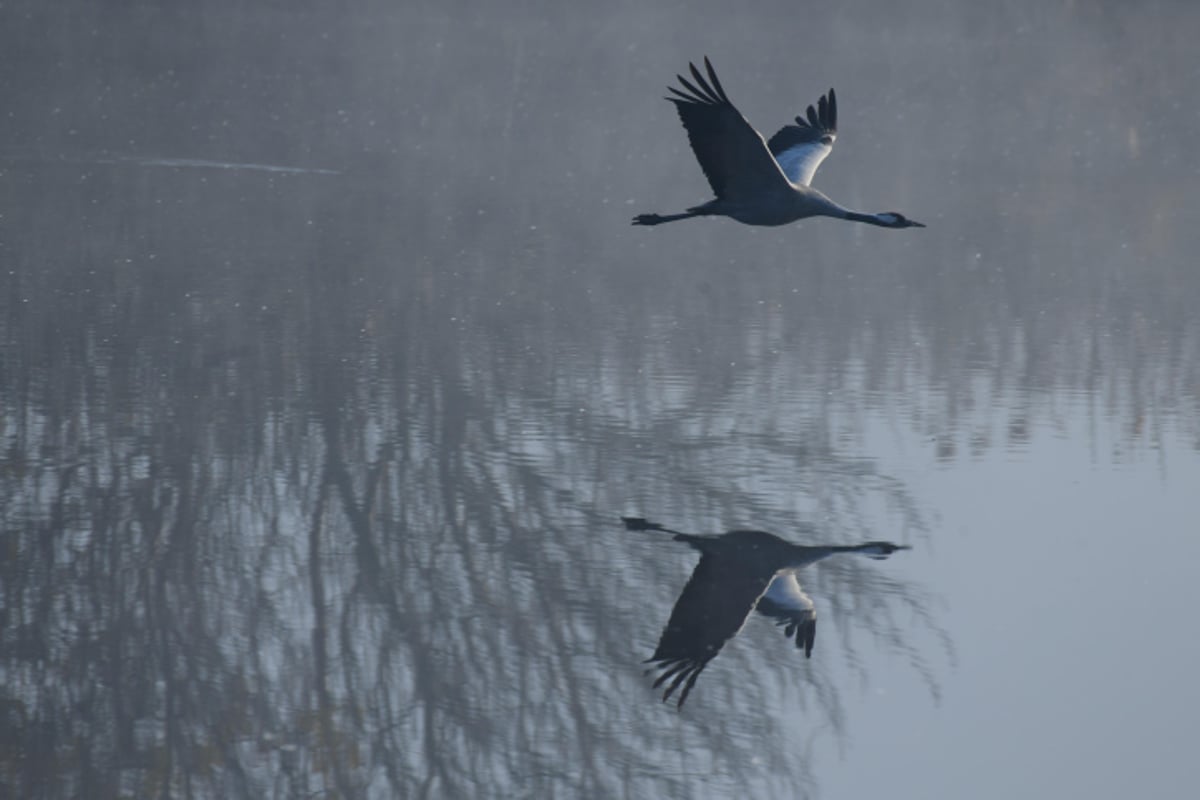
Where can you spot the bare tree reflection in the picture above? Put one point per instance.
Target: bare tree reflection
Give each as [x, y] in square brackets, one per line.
[388, 566]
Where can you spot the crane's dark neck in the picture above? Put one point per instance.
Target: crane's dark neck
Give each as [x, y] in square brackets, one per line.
[869, 547]
[808, 555]
[882, 220]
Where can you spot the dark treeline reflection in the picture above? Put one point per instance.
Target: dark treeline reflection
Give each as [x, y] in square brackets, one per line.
[309, 483]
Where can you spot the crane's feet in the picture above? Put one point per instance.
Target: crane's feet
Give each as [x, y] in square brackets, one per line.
[640, 524]
[648, 219]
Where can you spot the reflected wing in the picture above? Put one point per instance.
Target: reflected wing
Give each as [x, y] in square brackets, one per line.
[801, 148]
[711, 610]
[792, 609]
[733, 155]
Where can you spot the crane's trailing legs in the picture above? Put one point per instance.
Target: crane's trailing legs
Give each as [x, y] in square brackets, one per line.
[659, 219]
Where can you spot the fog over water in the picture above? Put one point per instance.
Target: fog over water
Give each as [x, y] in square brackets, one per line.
[329, 360]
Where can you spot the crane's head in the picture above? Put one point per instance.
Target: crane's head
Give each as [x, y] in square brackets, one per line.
[894, 219]
[880, 550]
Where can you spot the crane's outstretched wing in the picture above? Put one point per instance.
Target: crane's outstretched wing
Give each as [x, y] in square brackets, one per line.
[733, 155]
[709, 612]
[792, 609]
[801, 148]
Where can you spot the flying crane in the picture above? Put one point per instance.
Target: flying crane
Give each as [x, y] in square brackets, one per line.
[759, 182]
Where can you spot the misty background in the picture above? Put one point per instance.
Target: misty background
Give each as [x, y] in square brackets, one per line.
[329, 359]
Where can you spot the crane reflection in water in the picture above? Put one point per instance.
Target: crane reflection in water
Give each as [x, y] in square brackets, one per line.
[739, 572]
